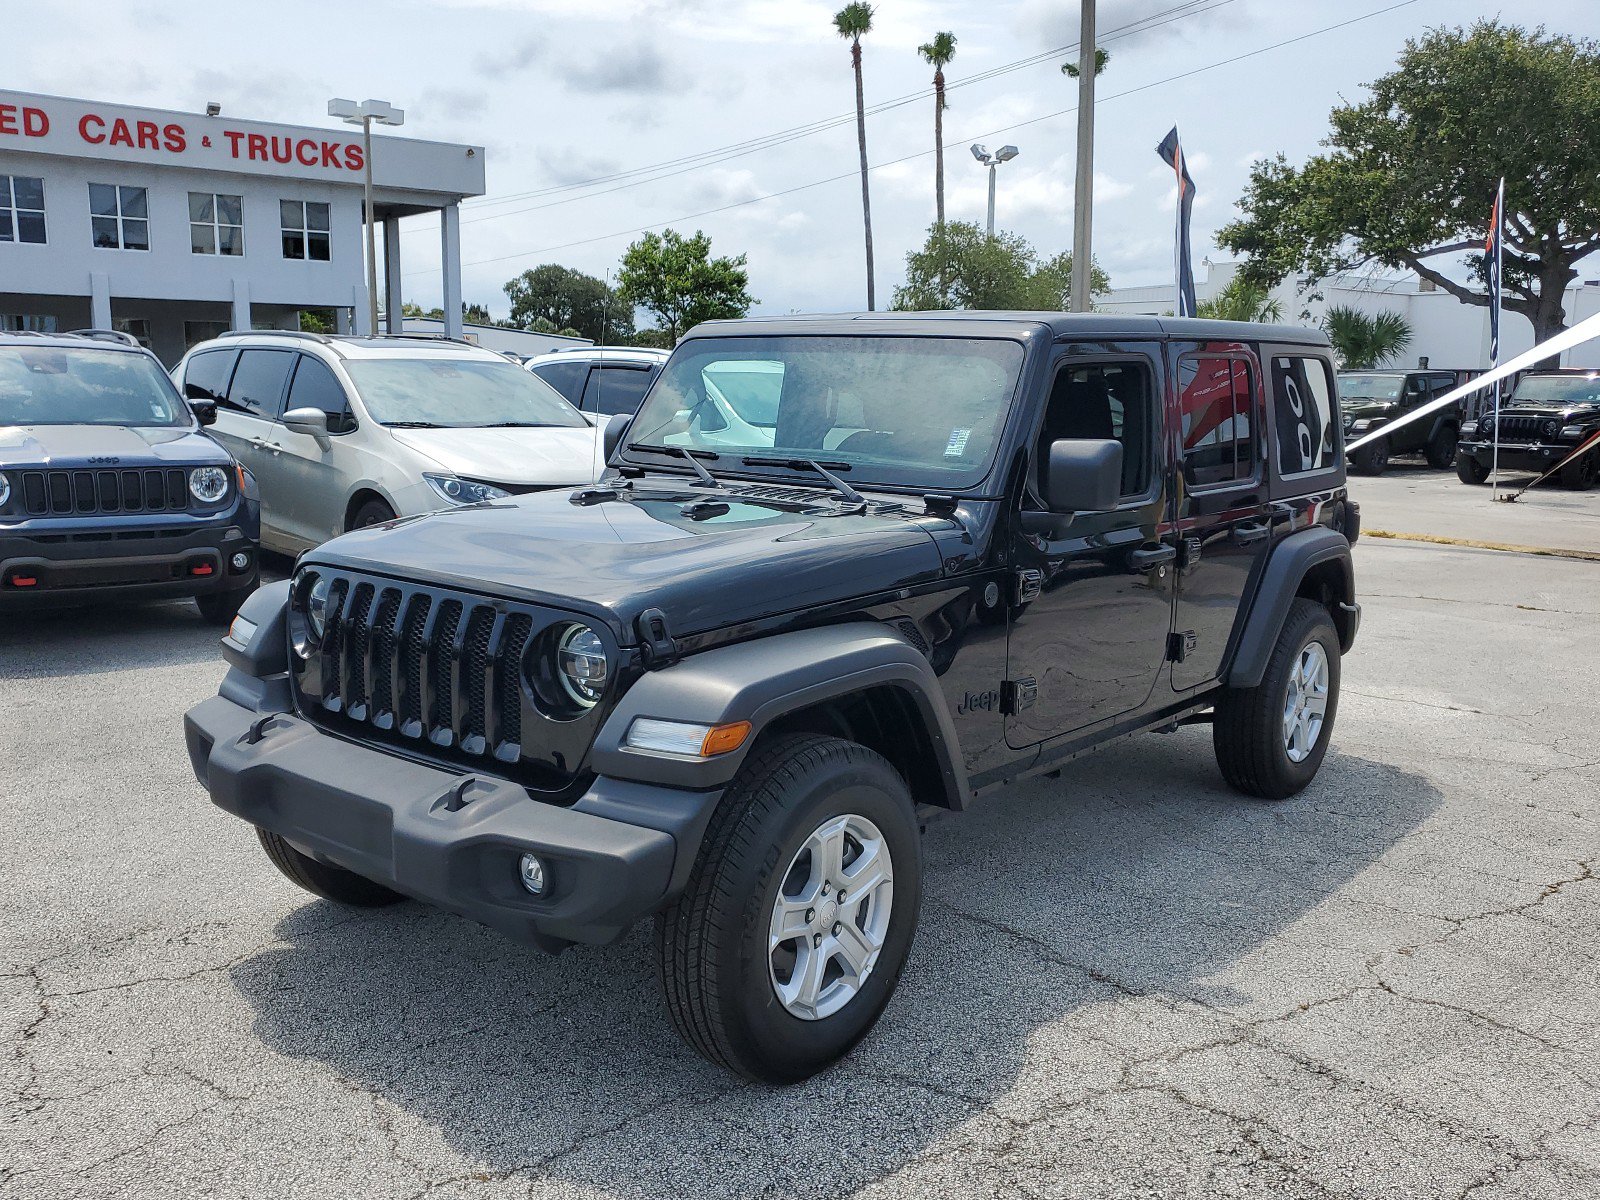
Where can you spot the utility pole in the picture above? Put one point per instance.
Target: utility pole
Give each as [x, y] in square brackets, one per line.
[1083, 190]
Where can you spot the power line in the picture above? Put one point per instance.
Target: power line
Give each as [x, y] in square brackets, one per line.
[1212, 66]
[639, 176]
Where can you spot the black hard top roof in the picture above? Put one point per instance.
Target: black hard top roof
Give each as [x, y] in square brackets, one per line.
[967, 323]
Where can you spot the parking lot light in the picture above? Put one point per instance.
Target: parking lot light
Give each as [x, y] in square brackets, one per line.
[364, 114]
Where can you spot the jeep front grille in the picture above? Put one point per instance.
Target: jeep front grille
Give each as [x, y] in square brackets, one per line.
[441, 672]
[98, 493]
[1514, 428]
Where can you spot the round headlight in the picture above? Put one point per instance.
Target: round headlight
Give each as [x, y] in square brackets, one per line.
[581, 665]
[317, 606]
[209, 484]
[5, 490]
[1552, 429]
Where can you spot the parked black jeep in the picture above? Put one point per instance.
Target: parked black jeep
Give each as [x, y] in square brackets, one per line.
[728, 683]
[1369, 400]
[109, 487]
[1548, 414]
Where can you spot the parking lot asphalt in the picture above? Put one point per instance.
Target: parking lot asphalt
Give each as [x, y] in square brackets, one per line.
[1128, 981]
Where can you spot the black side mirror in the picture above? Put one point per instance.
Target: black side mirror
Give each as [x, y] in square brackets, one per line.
[1083, 475]
[205, 411]
[616, 429]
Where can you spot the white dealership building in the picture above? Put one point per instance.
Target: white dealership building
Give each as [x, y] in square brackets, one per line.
[176, 226]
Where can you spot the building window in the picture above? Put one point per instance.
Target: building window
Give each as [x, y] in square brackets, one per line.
[195, 332]
[120, 216]
[216, 224]
[138, 328]
[305, 229]
[27, 323]
[21, 209]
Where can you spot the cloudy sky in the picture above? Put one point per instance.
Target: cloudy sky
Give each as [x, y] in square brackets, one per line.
[565, 92]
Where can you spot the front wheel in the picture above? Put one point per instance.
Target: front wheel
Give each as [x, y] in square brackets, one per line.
[792, 931]
[1270, 739]
[1579, 476]
[1371, 460]
[219, 608]
[325, 879]
[371, 512]
[1470, 470]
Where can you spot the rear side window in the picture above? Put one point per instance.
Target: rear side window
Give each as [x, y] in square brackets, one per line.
[615, 390]
[1215, 398]
[258, 382]
[566, 377]
[208, 373]
[1302, 407]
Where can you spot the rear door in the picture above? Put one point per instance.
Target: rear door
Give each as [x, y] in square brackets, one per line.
[254, 402]
[1223, 513]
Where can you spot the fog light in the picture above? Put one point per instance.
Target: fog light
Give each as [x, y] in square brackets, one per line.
[240, 561]
[531, 871]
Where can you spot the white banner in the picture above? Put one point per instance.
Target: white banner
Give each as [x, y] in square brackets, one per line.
[1582, 332]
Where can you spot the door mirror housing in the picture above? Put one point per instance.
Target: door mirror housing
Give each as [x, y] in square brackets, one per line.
[312, 422]
[615, 431]
[1083, 475]
[205, 411]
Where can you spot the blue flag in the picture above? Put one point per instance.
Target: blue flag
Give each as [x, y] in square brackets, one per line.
[1171, 152]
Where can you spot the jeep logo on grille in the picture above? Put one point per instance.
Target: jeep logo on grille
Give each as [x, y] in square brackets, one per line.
[105, 460]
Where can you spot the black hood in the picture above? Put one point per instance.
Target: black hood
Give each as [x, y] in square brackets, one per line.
[107, 445]
[1565, 413]
[618, 558]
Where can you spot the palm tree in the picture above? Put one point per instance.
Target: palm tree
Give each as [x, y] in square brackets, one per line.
[1363, 342]
[1240, 301]
[854, 22]
[938, 54]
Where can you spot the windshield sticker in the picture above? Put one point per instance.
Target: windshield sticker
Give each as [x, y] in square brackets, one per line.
[957, 445]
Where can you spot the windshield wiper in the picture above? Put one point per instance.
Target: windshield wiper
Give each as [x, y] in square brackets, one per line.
[516, 425]
[416, 425]
[810, 464]
[692, 457]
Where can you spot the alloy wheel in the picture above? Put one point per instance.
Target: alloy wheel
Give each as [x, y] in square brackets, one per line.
[1305, 705]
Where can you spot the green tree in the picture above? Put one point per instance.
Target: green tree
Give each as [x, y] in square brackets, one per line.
[1101, 58]
[1362, 341]
[1410, 174]
[1241, 300]
[569, 299]
[961, 266]
[676, 280]
[472, 314]
[317, 320]
[854, 22]
[938, 54]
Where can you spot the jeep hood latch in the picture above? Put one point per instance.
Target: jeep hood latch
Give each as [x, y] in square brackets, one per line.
[655, 639]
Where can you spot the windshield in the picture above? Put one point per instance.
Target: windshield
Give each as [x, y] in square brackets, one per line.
[1558, 389]
[47, 385]
[920, 412]
[456, 394]
[1370, 387]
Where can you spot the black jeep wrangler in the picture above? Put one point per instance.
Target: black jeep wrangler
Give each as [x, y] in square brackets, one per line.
[1369, 400]
[109, 487]
[1548, 414]
[841, 574]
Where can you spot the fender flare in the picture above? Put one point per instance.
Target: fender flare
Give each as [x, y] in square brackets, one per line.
[1287, 565]
[761, 680]
[1447, 417]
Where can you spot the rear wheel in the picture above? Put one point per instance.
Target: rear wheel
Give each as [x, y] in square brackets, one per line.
[1470, 470]
[1371, 460]
[371, 512]
[1441, 448]
[790, 937]
[325, 879]
[1270, 739]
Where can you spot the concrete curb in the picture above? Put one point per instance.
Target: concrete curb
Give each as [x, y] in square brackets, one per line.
[1472, 544]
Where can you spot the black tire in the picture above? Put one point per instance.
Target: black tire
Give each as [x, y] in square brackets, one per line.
[712, 943]
[1470, 470]
[371, 512]
[1579, 476]
[1372, 459]
[1441, 448]
[324, 879]
[1247, 731]
[219, 608]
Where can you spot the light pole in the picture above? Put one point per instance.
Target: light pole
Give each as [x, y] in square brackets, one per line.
[1083, 187]
[1004, 154]
[364, 114]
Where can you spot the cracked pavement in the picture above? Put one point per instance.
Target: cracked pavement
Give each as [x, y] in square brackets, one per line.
[1127, 981]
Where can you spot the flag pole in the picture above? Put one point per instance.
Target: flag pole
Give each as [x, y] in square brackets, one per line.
[1496, 227]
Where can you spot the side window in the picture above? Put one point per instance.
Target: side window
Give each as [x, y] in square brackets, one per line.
[315, 386]
[566, 377]
[208, 373]
[1215, 401]
[1103, 400]
[258, 381]
[615, 390]
[1304, 414]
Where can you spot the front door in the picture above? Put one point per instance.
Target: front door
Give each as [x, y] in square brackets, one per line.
[1088, 640]
[1223, 517]
[315, 471]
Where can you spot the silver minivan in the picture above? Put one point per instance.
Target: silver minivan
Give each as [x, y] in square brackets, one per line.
[343, 432]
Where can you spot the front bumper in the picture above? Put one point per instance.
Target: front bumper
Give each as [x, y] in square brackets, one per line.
[1516, 456]
[452, 840]
[69, 562]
